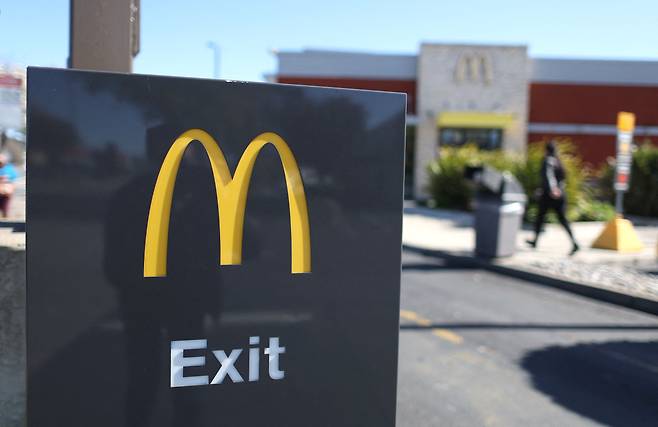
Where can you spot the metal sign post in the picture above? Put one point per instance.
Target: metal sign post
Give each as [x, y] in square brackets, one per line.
[625, 127]
[618, 233]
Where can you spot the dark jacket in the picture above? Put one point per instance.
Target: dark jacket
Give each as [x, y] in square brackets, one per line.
[552, 175]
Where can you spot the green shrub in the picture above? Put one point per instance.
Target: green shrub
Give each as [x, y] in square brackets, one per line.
[448, 188]
[605, 178]
[642, 196]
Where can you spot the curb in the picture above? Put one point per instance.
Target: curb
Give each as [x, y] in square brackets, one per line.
[629, 301]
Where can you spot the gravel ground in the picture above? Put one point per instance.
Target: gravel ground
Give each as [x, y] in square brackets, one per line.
[641, 280]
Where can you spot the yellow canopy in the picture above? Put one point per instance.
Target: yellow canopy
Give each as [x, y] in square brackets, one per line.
[473, 119]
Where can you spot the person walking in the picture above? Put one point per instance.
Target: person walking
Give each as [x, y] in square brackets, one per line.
[8, 175]
[552, 195]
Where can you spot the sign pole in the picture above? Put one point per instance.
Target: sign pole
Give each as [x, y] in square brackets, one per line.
[625, 127]
[618, 233]
[619, 203]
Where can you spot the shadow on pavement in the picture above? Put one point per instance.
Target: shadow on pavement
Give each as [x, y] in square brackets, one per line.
[534, 326]
[436, 260]
[465, 259]
[613, 383]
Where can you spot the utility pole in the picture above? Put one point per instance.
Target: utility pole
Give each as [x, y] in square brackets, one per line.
[215, 48]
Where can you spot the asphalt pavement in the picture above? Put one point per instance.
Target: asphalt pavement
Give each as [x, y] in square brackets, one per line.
[481, 349]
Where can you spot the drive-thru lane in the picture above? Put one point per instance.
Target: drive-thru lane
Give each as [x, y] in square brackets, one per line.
[480, 349]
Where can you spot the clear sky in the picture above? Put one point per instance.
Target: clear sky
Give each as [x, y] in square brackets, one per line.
[174, 33]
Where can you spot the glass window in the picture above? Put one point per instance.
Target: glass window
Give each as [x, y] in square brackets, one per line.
[486, 139]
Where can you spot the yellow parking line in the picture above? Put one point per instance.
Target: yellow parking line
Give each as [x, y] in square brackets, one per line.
[447, 335]
[444, 334]
[408, 315]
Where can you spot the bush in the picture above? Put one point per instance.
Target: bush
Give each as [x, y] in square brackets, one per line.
[447, 186]
[449, 189]
[642, 195]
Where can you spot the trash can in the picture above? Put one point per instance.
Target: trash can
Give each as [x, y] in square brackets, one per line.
[499, 206]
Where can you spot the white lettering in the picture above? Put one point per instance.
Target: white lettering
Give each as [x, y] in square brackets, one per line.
[227, 366]
[254, 359]
[227, 362]
[179, 361]
[274, 350]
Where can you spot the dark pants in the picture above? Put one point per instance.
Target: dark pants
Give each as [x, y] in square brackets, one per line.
[4, 205]
[559, 206]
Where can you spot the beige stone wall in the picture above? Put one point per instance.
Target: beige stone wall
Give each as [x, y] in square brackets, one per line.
[447, 81]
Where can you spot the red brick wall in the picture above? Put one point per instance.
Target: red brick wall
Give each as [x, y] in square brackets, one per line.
[594, 149]
[592, 104]
[406, 86]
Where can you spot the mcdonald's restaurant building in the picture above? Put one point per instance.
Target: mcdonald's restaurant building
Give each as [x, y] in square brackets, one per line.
[494, 96]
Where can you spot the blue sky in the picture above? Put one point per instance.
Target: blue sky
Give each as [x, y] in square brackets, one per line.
[174, 33]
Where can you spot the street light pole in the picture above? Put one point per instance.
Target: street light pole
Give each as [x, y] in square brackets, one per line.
[215, 48]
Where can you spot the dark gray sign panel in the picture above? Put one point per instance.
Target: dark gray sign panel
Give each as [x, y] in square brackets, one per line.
[142, 312]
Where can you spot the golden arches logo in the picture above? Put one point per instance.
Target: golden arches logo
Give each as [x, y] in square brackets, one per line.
[474, 67]
[231, 201]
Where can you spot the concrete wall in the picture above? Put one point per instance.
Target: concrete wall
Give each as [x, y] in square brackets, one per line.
[445, 84]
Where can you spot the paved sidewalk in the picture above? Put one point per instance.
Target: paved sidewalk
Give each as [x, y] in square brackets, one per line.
[452, 233]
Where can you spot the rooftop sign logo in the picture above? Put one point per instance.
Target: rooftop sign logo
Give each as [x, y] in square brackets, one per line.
[231, 201]
[474, 67]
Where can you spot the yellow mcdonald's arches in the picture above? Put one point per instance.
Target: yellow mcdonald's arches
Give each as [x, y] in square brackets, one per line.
[231, 201]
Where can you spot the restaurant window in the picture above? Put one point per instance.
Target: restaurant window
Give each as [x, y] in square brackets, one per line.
[485, 139]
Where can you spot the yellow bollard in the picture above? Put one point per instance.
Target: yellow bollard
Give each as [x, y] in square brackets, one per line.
[619, 235]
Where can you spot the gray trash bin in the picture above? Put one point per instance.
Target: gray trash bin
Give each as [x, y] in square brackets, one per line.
[499, 206]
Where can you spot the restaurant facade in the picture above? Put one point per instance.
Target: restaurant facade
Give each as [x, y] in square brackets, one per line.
[495, 96]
